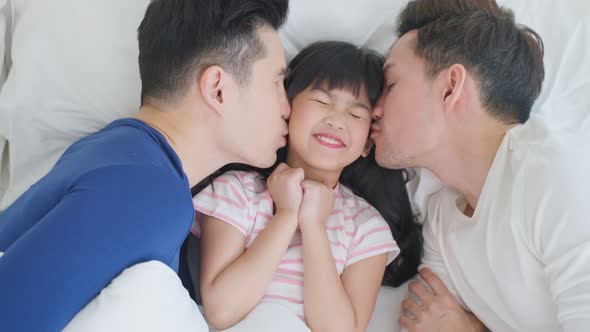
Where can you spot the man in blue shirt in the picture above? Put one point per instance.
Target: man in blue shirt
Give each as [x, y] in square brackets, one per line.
[212, 93]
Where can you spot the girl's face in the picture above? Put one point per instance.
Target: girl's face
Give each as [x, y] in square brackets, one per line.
[328, 129]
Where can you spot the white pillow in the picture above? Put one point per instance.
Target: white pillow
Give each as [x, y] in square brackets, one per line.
[75, 67]
[565, 29]
[5, 16]
[146, 297]
[74, 70]
[364, 23]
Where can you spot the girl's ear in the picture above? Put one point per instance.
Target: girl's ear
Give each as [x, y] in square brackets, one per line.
[368, 146]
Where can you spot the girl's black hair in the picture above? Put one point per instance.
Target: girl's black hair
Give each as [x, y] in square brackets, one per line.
[339, 65]
[385, 189]
[344, 66]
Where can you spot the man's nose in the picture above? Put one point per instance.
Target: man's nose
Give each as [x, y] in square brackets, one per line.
[377, 112]
[285, 109]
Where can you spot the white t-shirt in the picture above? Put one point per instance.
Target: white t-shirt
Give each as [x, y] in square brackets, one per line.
[522, 262]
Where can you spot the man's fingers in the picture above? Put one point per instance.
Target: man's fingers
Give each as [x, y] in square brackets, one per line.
[420, 291]
[411, 307]
[409, 324]
[434, 282]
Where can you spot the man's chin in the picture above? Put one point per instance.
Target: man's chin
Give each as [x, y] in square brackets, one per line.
[391, 160]
[264, 161]
[390, 165]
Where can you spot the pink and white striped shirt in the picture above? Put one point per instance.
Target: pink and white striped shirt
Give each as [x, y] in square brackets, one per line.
[355, 230]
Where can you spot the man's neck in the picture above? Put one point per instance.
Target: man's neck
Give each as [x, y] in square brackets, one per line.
[465, 166]
[190, 138]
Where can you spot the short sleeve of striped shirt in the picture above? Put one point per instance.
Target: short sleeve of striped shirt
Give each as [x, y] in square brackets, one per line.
[225, 199]
[372, 237]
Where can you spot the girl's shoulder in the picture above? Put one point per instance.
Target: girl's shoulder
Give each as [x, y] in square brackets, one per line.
[232, 191]
[251, 182]
[356, 208]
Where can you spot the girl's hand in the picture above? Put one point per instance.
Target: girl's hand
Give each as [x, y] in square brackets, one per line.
[318, 202]
[284, 186]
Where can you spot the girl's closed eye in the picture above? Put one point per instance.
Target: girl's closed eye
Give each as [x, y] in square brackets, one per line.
[319, 101]
[356, 116]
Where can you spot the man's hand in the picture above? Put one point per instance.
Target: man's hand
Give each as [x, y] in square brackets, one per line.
[436, 310]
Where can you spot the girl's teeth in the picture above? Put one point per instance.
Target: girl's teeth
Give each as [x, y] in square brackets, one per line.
[329, 140]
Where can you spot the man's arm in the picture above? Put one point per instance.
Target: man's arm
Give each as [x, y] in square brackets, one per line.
[561, 239]
[111, 219]
[567, 267]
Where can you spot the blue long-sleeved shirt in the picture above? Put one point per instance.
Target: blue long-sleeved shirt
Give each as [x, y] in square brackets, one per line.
[114, 199]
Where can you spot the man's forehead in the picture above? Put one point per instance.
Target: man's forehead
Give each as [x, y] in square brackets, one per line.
[392, 60]
[274, 55]
[271, 40]
[400, 50]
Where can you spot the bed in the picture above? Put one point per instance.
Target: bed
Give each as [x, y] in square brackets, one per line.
[70, 67]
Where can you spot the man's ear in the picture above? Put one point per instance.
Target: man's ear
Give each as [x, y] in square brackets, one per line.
[212, 84]
[454, 85]
[368, 146]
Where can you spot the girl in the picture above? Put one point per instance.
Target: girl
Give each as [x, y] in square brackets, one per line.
[304, 234]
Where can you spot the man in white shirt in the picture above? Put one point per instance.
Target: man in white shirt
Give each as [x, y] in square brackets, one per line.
[507, 243]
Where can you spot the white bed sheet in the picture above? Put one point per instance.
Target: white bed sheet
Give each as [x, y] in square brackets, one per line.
[150, 297]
